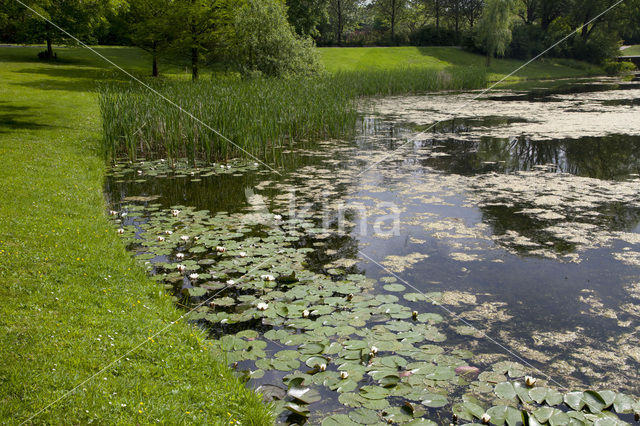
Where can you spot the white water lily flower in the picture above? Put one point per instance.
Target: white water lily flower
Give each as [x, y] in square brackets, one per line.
[262, 306]
[322, 367]
[175, 213]
[185, 238]
[167, 232]
[530, 381]
[268, 277]
[220, 249]
[231, 282]
[113, 213]
[255, 164]
[277, 217]
[181, 268]
[120, 231]
[242, 254]
[374, 350]
[160, 238]
[305, 313]
[139, 172]
[344, 375]
[485, 419]
[193, 276]
[180, 256]
[414, 314]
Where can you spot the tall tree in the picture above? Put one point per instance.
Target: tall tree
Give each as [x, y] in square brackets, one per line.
[306, 15]
[392, 12]
[341, 14]
[77, 17]
[151, 28]
[200, 25]
[471, 10]
[494, 28]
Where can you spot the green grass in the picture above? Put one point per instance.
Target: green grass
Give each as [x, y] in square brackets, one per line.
[365, 58]
[73, 299]
[631, 51]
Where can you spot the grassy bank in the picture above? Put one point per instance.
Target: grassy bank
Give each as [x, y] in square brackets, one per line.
[631, 51]
[357, 58]
[73, 300]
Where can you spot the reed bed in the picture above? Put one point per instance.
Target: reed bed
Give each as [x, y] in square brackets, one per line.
[258, 115]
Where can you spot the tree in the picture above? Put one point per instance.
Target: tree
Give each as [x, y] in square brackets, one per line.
[494, 28]
[264, 42]
[150, 27]
[392, 12]
[341, 13]
[200, 27]
[306, 15]
[471, 10]
[77, 17]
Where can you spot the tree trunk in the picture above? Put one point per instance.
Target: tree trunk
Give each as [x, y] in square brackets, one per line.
[49, 48]
[194, 63]
[437, 14]
[339, 29]
[488, 59]
[154, 71]
[393, 21]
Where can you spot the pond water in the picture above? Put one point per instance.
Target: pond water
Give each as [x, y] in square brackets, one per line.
[497, 233]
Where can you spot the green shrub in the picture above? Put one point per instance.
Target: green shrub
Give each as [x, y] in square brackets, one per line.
[618, 67]
[263, 42]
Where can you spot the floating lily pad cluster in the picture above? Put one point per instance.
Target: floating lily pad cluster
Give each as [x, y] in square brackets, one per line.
[336, 347]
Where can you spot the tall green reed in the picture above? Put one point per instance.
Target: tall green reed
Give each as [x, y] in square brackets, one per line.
[258, 115]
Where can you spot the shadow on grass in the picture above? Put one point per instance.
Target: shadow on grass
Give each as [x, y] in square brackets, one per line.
[14, 117]
[73, 79]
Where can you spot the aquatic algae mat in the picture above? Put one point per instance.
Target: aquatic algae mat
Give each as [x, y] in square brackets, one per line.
[542, 262]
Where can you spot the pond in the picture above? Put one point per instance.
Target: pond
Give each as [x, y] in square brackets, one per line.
[460, 241]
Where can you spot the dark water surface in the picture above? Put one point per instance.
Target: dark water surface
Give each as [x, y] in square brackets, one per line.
[534, 239]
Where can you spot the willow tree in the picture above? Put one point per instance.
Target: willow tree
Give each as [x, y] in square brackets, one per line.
[494, 28]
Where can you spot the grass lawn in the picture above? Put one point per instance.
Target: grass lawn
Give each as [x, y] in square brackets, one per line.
[359, 58]
[73, 300]
[631, 51]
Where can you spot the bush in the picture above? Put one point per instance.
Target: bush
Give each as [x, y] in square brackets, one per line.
[263, 42]
[618, 67]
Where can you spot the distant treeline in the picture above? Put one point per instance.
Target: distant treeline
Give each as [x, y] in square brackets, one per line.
[248, 34]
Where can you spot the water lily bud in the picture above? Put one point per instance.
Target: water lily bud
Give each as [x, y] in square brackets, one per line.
[322, 367]
[160, 239]
[231, 282]
[181, 268]
[185, 238]
[349, 297]
[374, 350]
[530, 381]
[277, 217]
[175, 213]
[193, 277]
[414, 315]
[242, 254]
[235, 365]
[139, 172]
[113, 213]
[268, 277]
[220, 249]
[168, 232]
[196, 238]
[485, 419]
[454, 418]
[262, 306]
[305, 313]
[120, 231]
[344, 375]
[180, 256]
